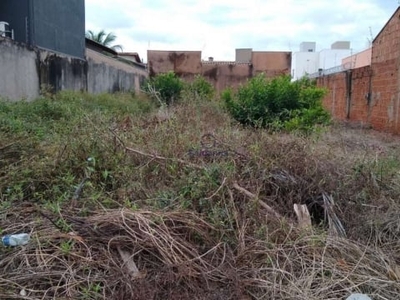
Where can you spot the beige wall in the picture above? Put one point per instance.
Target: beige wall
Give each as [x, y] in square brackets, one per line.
[271, 63]
[226, 74]
[184, 63]
[358, 60]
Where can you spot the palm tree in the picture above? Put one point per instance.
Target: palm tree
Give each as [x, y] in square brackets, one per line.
[104, 38]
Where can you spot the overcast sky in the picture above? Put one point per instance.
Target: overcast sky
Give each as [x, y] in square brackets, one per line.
[218, 27]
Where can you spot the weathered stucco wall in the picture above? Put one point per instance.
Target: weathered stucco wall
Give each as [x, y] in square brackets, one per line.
[19, 78]
[24, 71]
[59, 72]
[185, 64]
[229, 74]
[271, 63]
[106, 74]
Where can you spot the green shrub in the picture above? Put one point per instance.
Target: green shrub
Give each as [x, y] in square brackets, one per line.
[165, 87]
[277, 103]
[199, 88]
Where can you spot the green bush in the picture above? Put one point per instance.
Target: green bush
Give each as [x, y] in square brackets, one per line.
[199, 88]
[165, 87]
[277, 103]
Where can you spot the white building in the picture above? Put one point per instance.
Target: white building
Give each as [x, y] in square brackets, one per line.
[308, 61]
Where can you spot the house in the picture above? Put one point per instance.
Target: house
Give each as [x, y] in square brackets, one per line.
[221, 74]
[358, 60]
[308, 61]
[55, 25]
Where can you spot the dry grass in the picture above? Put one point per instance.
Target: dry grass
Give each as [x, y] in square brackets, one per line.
[185, 204]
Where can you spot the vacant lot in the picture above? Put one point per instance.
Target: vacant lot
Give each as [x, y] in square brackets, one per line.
[126, 201]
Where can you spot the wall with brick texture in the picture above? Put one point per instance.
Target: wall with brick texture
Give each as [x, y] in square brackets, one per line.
[385, 77]
[335, 99]
[370, 95]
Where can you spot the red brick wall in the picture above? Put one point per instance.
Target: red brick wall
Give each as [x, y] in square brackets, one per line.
[335, 100]
[360, 89]
[348, 94]
[380, 108]
[385, 77]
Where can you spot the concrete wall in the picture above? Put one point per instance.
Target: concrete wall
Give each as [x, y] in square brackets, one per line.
[184, 63]
[304, 63]
[60, 72]
[243, 55]
[271, 63]
[358, 60]
[106, 74]
[222, 75]
[25, 70]
[19, 77]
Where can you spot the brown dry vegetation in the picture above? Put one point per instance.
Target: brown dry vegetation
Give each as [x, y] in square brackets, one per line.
[175, 203]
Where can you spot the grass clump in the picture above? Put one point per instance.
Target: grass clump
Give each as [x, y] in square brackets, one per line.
[277, 103]
[168, 88]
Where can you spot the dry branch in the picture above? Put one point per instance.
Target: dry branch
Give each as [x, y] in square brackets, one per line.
[268, 208]
[154, 156]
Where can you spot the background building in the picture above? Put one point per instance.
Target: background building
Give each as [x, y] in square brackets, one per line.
[56, 25]
[309, 61]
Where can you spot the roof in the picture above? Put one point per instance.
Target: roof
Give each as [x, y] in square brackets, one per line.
[100, 46]
[396, 11]
[135, 55]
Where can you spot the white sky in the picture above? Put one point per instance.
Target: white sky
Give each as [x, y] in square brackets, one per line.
[218, 27]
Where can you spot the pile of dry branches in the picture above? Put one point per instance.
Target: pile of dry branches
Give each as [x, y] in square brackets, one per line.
[124, 254]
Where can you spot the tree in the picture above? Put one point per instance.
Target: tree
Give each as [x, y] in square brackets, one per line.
[104, 38]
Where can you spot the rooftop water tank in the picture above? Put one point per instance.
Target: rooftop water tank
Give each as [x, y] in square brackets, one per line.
[5, 29]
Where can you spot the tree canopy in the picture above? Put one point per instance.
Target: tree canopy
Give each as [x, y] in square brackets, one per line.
[104, 38]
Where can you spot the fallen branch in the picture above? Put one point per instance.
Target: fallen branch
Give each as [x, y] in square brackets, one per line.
[165, 158]
[216, 192]
[268, 208]
[6, 146]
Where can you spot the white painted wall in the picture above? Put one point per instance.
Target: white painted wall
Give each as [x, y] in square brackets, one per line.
[330, 58]
[304, 63]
